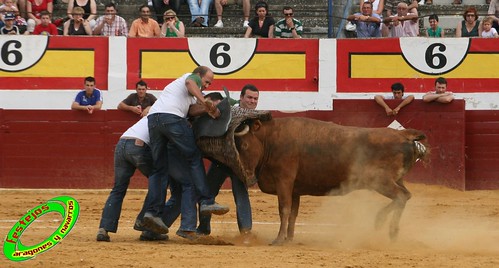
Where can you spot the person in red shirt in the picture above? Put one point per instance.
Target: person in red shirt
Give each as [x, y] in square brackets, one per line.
[46, 27]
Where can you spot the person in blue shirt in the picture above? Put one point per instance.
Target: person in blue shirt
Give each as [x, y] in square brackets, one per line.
[88, 99]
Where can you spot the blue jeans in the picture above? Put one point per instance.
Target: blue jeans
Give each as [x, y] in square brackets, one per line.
[127, 158]
[202, 10]
[216, 177]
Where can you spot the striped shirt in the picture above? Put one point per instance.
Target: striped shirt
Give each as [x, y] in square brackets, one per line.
[282, 30]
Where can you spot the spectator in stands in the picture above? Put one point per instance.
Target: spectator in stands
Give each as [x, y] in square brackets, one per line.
[440, 94]
[219, 4]
[488, 31]
[367, 22]
[391, 5]
[139, 102]
[200, 10]
[110, 24]
[89, 10]
[34, 9]
[9, 6]
[397, 94]
[172, 26]
[288, 27]
[160, 6]
[470, 26]
[378, 6]
[402, 24]
[9, 28]
[262, 25]
[89, 99]
[434, 30]
[144, 26]
[77, 25]
[46, 27]
[494, 13]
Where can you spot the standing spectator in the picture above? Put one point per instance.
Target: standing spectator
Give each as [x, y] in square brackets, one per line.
[172, 138]
[288, 27]
[488, 31]
[219, 7]
[470, 26]
[34, 9]
[160, 6]
[110, 24]
[368, 23]
[378, 6]
[9, 28]
[144, 26]
[397, 94]
[139, 102]
[494, 13]
[440, 94]
[434, 30]
[77, 25]
[172, 26]
[89, 10]
[89, 99]
[402, 24]
[219, 172]
[200, 10]
[263, 24]
[46, 27]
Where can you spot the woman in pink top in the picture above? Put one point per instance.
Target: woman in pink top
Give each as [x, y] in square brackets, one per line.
[34, 7]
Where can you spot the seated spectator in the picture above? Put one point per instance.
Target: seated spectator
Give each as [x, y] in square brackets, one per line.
[494, 13]
[288, 27]
[219, 7]
[160, 6]
[488, 31]
[397, 94]
[110, 24]
[172, 26]
[89, 99]
[9, 6]
[434, 30]
[440, 94]
[200, 10]
[144, 26]
[139, 102]
[367, 22]
[378, 6]
[77, 25]
[34, 9]
[89, 10]
[391, 5]
[470, 26]
[402, 24]
[46, 27]
[262, 25]
[9, 27]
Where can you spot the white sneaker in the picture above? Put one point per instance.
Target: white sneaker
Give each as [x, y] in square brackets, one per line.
[219, 24]
[245, 24]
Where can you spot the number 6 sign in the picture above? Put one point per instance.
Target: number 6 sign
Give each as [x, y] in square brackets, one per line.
[19, 53]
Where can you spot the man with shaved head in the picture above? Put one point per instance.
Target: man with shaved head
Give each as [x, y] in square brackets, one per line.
[404, 23]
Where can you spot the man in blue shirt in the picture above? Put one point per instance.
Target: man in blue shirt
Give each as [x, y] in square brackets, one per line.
[89, 99]
[368, 23]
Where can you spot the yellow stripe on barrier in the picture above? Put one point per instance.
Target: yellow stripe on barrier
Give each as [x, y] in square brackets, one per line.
[59, 63]
[394, 66]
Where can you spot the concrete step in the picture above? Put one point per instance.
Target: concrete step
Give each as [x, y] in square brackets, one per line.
[466, 2]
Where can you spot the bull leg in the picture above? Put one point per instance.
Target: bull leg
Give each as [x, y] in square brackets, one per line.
[284, 196]
[295, 205]
[399, 195]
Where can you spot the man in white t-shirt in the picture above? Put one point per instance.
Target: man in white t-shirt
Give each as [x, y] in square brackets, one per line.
[397, 94]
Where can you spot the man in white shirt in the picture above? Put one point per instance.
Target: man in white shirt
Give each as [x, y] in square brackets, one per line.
[402, 24]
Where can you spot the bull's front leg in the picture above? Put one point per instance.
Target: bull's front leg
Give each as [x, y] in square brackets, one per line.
[292, 217]
[284, 212]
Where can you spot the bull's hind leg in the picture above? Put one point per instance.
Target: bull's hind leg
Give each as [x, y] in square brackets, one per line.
[295, 205]
[399, 195]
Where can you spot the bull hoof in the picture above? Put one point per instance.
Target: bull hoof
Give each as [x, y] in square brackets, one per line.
[394, 233]
[278, 242]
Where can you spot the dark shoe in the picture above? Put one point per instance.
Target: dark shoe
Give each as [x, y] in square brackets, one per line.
[154, 224]
[138, 226]
[198, 22]
[214, 208]
[429, 2]
[103, 236]
[190, 235]
[150, 236]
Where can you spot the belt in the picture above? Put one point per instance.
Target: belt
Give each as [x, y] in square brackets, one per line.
[138, 142]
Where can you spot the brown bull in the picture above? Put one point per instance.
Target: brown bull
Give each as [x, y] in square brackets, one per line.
[291, 157]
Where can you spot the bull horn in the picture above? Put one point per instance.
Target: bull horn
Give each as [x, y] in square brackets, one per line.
[242, 132]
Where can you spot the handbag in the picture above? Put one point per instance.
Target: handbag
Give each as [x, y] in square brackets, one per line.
[351, 27]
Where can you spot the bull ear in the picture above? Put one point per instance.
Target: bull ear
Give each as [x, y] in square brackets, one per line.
[256, 125]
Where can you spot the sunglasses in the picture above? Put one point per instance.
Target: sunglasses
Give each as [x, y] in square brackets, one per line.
[470, 15]
[288, 14]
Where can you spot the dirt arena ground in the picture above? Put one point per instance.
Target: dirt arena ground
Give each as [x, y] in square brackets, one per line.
[440, 228]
